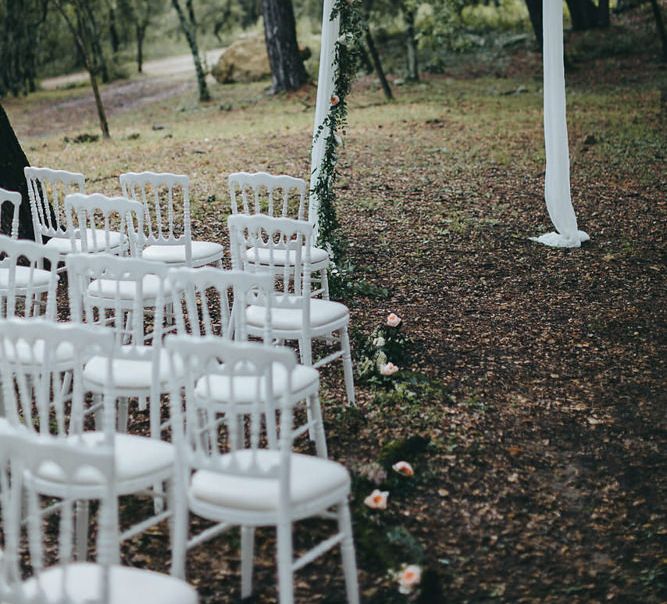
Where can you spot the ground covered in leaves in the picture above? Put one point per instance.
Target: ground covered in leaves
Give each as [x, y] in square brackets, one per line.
[532, 396]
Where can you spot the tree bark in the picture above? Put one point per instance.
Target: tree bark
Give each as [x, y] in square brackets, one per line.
[535, 13]
[12, 162]
[141, 32]
[377, 63]
[188, 25]
[660, 25]
[411, 46]
[282, 47]
[583, 13]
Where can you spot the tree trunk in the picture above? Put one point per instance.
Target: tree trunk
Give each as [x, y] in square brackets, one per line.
[188, 27]
[281, 45]
[141, 32]
[535, 13]
[583, 13]
[12, 162]
[660, 25]
[411, 46]
[603, 13]
[375, 56]
[101, 114]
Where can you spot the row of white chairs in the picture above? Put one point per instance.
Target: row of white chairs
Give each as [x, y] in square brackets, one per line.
[268, 296]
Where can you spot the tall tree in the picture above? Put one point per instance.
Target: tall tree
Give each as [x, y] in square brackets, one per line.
[535, 14]
[142, 14]
[585, 14]
[80, 19]
[188, 21]
[660, 25]
[409, 11]
[12, 162]
[282, 47]
[373, 51]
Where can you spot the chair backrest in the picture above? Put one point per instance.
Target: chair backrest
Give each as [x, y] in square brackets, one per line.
[28, 287]
[47, 190]
[165, 198]
[13, 200]
[212, 302]
[118, 292]
[272, 240]
[38, 359]
[106, 224]
[21, 454]
[262, 193]
[211, 434]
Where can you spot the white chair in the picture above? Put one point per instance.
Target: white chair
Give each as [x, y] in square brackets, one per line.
[66, 581]
[13, 200]
[124, 293]
[211, 302]
[295, 315]
[30, 357]
[279, 197]
[104, 224]
[25, 288]
[159, 195]
[229, 478]
[47, 190]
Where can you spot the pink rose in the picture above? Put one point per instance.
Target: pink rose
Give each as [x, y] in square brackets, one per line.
[409, 577]
[334, 100]
[388, 369]
[404, 468]
[393, 320]
[377, 500]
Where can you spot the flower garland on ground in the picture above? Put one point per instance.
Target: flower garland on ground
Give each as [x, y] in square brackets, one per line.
[346, 54]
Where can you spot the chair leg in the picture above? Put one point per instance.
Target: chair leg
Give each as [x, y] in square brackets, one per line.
[347, 366]
[123, 405]
[306, 351]
[178, 526]
[285, 572]
[347, 553]
[82, 516]
[247, 555]
[325, 283]
[319, 437]
[154, 420]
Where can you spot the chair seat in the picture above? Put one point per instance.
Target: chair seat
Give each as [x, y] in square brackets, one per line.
[127, 290]
[34, 355]
[64, 245]
[39, 277]
[322, 312]
[317, 255]
[217, 387]
[175, 254]
[311, 478]
[127, 586]
[135, 457]
[128, 373]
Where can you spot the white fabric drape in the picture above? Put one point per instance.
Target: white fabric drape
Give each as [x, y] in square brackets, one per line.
[325, 90]
[557, 178]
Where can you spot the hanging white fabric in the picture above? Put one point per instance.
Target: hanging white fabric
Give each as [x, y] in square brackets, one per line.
[325, 90]
[557, 177]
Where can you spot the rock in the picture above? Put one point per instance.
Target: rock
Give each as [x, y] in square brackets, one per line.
[245, 60]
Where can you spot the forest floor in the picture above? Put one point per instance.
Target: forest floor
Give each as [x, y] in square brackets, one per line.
[535, 376]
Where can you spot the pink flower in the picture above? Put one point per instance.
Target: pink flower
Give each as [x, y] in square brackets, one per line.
[334, 100]
[377, 500]
[409, 577]
[388, 369]
[404, 468]
[393, 320]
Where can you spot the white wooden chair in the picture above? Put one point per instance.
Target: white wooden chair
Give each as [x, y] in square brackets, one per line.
[65, 580]
[13, 200]
[104, 224]
[280, 197]
[25, 288]
[168, 227]
[229, 478]
[211, 302]
[47, 190]
[123, 293]
[295, 315]
[31, 401]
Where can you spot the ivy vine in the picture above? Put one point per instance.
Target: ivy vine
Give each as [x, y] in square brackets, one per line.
[346, 55]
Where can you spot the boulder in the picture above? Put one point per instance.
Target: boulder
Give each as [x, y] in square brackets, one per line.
[245, 60]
